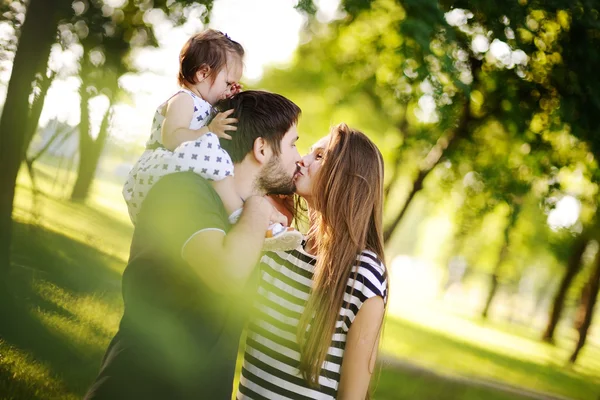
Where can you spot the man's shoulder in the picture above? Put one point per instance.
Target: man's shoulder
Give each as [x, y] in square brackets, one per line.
[182, 191]
[186, 176]
[184, 181]
[177, 206]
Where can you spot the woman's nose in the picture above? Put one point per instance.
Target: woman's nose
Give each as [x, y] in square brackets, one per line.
[304, 162]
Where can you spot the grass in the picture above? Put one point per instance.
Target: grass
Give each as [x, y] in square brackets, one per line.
[456, 355]
[68, 259]
[410, 385]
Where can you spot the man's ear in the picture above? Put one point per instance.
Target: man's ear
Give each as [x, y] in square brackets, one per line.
[261, 150]
[202, 73]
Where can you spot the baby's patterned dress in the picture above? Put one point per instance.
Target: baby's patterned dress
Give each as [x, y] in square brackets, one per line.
[203, 156]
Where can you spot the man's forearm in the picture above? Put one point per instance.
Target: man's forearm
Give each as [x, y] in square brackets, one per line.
[226, 261]
[243, 244]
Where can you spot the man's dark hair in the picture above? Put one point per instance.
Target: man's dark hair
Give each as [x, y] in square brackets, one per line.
[260, 114]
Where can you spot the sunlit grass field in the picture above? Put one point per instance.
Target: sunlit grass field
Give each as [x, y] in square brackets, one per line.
[68, 259]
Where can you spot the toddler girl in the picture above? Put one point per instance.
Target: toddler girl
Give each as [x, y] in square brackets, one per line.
[181, 139]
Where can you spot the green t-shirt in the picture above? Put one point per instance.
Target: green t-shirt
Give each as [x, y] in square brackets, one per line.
[177, 339]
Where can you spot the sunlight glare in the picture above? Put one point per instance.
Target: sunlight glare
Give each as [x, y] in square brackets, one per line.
[328, 10]
[565, 214]
[268, 30]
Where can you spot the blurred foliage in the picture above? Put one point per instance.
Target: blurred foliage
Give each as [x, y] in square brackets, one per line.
[396, 54]
[108, 34]
[499, 101]
[102, 36]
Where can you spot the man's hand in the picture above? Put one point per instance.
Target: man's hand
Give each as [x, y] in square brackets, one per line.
[221, 123]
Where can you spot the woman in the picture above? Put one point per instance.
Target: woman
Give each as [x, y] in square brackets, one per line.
[319, 310]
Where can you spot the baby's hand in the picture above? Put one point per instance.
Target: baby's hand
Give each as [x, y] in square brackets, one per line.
[235, 88]
[222, 123]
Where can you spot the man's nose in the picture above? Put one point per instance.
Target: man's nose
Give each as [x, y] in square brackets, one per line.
[298, 157]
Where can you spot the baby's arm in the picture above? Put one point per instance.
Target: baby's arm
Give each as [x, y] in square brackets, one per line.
[180, 111]
[175, 129]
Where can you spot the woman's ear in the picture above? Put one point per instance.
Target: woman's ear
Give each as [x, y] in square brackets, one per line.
[202, 73]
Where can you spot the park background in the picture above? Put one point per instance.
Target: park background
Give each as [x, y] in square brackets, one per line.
[487, 114]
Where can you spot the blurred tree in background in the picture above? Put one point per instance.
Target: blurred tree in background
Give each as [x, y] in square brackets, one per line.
[37, 33]
[500, 99]
[106, 36]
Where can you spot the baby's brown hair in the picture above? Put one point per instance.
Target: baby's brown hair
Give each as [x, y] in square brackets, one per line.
[208, 48]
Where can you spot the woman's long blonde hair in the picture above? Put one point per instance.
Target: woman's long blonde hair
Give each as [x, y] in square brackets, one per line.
[346, 219]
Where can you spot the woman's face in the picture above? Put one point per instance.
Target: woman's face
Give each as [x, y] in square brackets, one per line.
[309, 168]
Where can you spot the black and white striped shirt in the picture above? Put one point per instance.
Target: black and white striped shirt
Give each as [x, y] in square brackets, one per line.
[271, 359]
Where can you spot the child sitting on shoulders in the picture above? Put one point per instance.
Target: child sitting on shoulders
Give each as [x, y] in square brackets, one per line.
[182, 138]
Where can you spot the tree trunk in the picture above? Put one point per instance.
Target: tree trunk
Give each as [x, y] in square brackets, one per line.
[444, 146]
[89, 149]
[402, 128]
[494, 283]
[37, 106]
[37, 35]
[593, 286]
[573, 267]
[62, 134]
[416, 188]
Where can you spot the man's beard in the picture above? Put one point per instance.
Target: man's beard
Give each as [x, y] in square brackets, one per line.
[274, 180]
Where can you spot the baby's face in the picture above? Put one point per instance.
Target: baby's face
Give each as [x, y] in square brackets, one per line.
[224, 84]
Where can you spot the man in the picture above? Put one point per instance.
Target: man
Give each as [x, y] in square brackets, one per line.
[183, 285]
